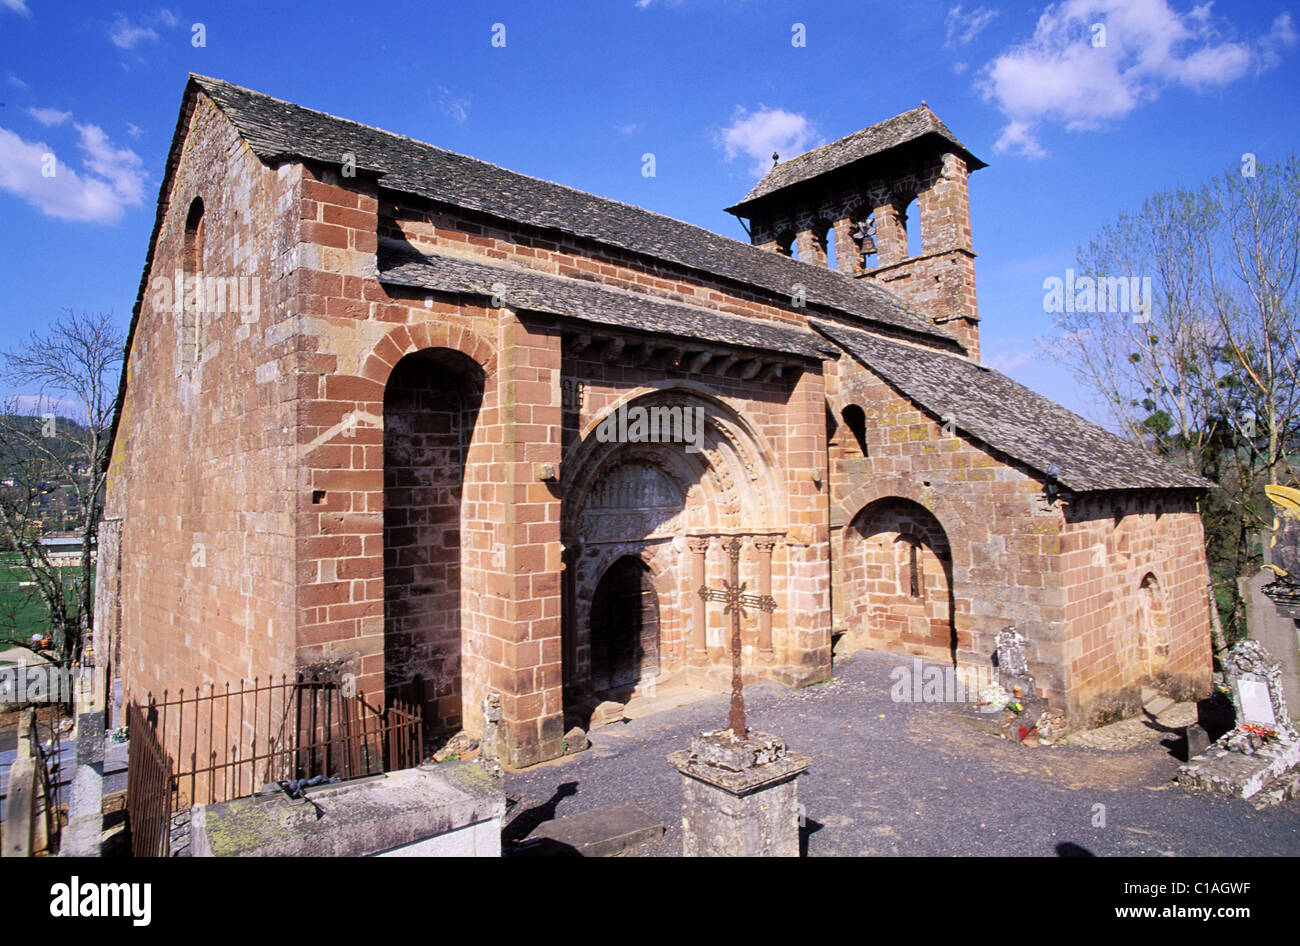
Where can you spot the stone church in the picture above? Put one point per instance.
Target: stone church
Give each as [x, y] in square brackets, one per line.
[469, 434]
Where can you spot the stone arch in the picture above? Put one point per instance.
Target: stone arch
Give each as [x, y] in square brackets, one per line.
[643, 498]
[888, 606]
[1153, 628]
[403, 340]
[735, 468]
[431, 405]
[871, 490]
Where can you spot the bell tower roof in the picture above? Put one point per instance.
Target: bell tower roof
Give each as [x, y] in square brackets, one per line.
[859, 148]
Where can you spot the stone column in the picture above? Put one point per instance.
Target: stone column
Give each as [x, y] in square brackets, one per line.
[523, 593]
[765, 544]
[699, 546]
[848, 259]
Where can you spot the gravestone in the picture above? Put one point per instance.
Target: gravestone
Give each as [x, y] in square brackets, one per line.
[1254, 684]
[1263, 749]
[1013, 665]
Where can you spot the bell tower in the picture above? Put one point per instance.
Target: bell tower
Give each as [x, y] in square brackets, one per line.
[889, 203]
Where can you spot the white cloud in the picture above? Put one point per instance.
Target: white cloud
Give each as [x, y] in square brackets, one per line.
[1280, 37]
[1009, 361]
[112, 179]
[121, 167]
[134, 130]
[127, 35]
[49, 117]
[18, 6]
[16, 82]
[630, 128]
[758, 134]
[457, 106]
[962, 28]
[167, 17]
[1060, 76]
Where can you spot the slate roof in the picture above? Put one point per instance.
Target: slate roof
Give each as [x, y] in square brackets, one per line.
[594, 303]
[276, 130]
[882, 136]
[1011, 418]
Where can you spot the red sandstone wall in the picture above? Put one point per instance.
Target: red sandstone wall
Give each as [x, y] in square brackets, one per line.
[1115, 642]
[203, 464]
[1002, 535]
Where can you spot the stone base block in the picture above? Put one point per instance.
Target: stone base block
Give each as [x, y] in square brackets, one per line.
[739, 798]
[1226, 769]
[454, 808]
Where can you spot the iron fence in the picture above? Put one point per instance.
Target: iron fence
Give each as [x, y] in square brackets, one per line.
[231, 742]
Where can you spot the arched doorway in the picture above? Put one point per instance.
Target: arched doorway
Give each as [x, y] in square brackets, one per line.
[431, 404]
[629, 506]
[624, 627]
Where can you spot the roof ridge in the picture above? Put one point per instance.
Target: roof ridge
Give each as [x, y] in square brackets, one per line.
[417, 255]
[870, 295]
[852, 134]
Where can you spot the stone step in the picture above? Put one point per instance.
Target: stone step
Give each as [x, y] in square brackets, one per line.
[1279, 791]
[1158, 705]
[600, 832]
[1149, 694]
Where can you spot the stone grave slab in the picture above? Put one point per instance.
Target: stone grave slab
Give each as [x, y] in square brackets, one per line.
[600, 832]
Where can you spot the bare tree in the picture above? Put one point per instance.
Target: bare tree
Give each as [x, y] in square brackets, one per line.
[1207, 373]
[54, 439]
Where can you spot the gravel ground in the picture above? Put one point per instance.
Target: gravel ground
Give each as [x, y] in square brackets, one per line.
[914, 779]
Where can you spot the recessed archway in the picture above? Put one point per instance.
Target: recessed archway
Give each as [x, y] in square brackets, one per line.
[639, 501]
[898, 580]
[431, 404]
[1153, 630]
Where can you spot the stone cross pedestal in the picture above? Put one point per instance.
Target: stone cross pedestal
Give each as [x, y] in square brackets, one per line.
[739, 796]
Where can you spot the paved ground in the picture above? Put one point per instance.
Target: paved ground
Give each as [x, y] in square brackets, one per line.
[914, 779]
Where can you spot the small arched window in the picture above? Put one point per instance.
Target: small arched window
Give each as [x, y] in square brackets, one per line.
[192, 292]
[909, 222]
[786, 244]
[910, 579]
[856, 420]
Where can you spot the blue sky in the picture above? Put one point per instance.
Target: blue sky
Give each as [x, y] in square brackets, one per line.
[1074, 132]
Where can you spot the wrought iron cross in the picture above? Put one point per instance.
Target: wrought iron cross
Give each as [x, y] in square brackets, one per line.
[733, 593]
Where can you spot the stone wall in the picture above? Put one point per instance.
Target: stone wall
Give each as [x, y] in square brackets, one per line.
[1137, 607]
[203, 465]
[1000, 533]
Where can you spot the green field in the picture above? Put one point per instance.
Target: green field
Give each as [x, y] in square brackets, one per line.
[22, 613]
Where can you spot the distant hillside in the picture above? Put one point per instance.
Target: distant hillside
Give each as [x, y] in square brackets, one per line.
[18, 431]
